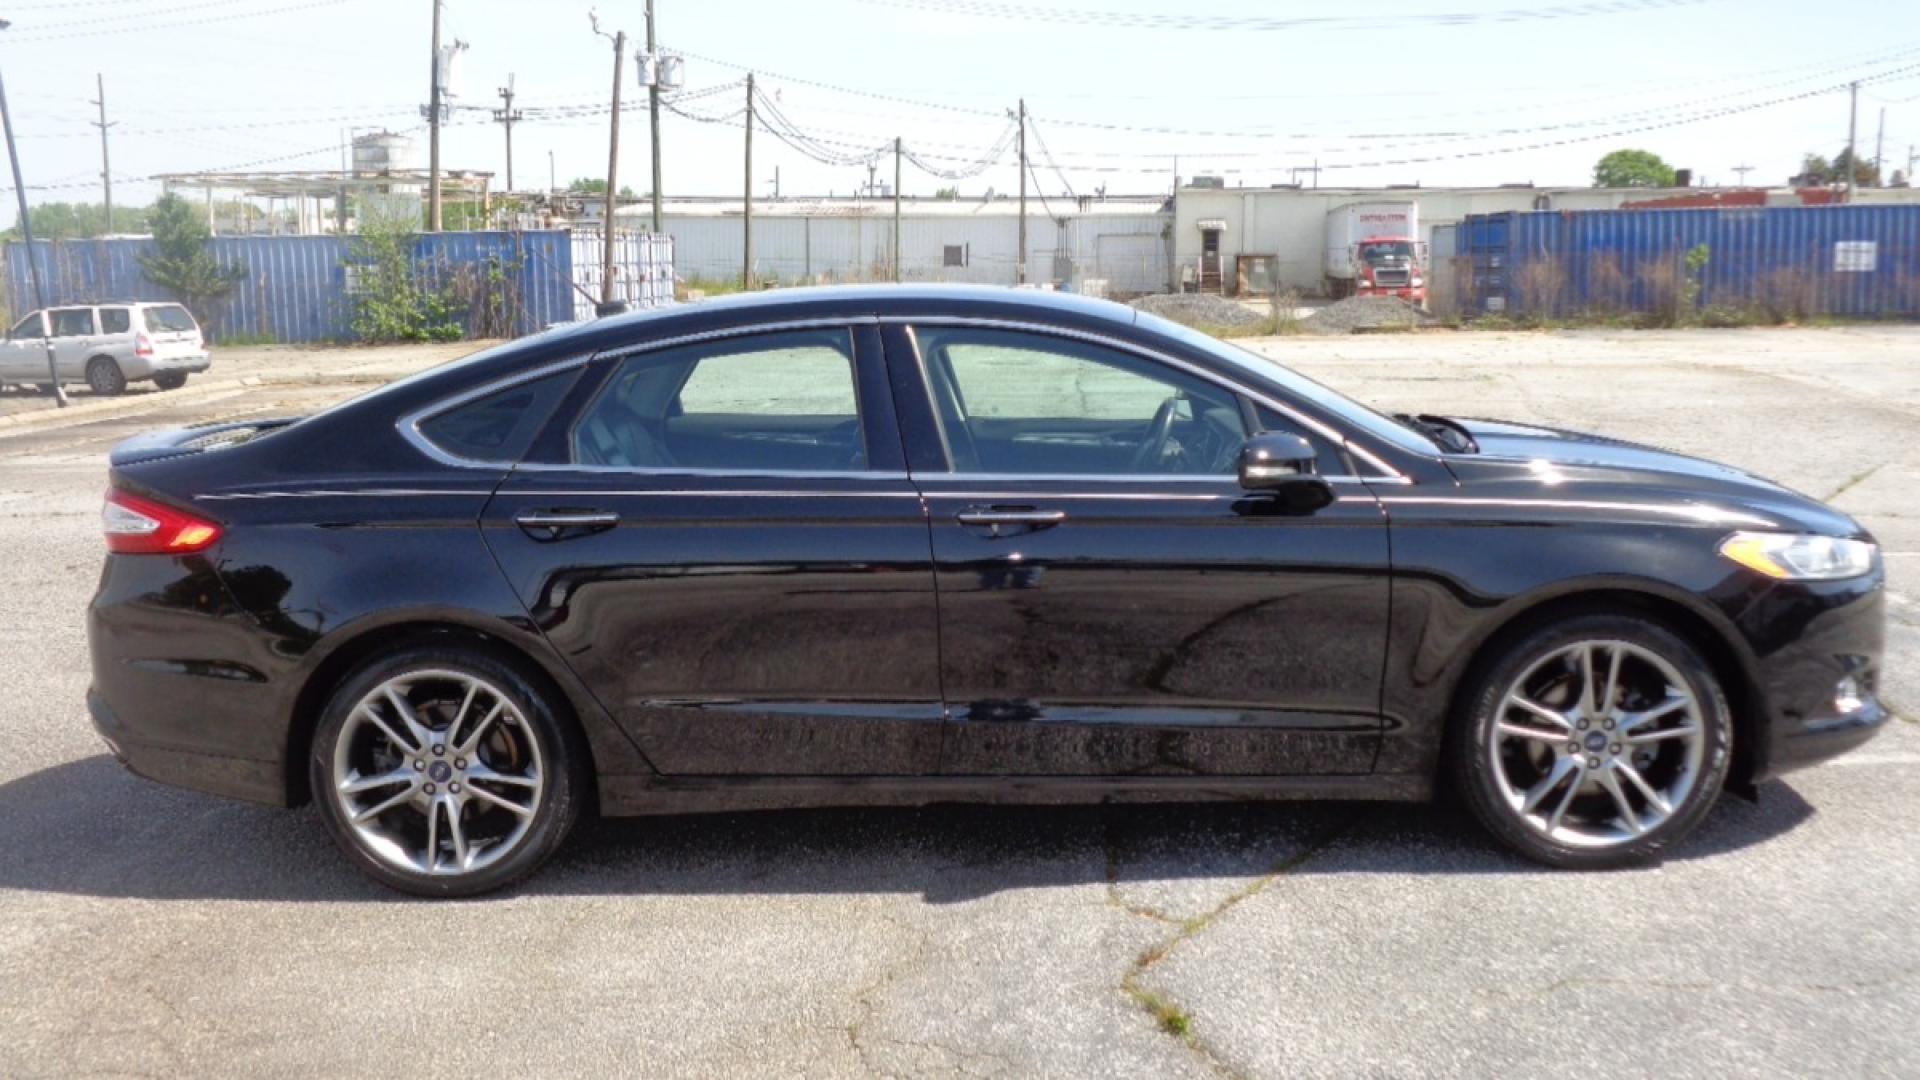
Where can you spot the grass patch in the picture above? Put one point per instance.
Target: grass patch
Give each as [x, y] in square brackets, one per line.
[1170, 1017]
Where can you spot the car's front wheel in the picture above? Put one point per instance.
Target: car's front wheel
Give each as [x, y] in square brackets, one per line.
[1596, 741]
[445, 771]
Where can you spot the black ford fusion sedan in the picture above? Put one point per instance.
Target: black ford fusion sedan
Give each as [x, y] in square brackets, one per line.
[911, 545]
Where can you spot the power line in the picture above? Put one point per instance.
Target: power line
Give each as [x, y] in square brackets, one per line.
[148, 28]
[1083, 17]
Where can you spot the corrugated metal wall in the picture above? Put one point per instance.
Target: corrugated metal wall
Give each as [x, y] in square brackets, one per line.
[1858, 261]
[295, 289]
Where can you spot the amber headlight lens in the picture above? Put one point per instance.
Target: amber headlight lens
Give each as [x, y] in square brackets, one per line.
[1799, 556]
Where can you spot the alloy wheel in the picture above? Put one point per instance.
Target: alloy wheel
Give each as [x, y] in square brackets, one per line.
[438, 772]
[1597, 743]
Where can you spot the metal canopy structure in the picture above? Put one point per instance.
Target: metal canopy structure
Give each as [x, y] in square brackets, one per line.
[318, 200]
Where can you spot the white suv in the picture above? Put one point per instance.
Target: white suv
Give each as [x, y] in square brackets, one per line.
[106, 346]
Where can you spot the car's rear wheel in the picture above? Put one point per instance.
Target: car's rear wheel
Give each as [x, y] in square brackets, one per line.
[105, 377]
[170, 380]
[1596, 741]
[444, 771]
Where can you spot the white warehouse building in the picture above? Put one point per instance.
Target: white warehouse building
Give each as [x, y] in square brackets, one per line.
[1106, 247]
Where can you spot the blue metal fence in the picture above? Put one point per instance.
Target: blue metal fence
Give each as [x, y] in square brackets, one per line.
[296, 287]
[1856, 261]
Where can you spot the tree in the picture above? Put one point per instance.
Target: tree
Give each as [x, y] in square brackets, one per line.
[81, 221]
[1632, 168]
[180, 261]
[1817, 171]
[587, 185]
[949, 194]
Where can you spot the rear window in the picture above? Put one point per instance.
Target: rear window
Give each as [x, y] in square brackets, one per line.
[169, 319]
[115, 320]
[501, 426]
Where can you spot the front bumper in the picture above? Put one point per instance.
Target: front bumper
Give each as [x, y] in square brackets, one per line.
[1807, 638]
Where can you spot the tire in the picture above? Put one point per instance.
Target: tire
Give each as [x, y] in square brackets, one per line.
[170, 380]
[1648, 766]
[433, 840]
[104, 377]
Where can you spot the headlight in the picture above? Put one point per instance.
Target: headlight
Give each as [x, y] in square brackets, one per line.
[1799, 556]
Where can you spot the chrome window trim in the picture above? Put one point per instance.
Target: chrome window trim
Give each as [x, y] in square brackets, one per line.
[1395, 476]
[742, 330]
[693, 472]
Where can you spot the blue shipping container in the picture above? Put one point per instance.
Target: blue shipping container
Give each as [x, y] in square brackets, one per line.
[1855, 261]
[296, 288]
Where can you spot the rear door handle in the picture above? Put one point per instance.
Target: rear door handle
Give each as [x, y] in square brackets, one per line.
[1010, 518]
[558, 524]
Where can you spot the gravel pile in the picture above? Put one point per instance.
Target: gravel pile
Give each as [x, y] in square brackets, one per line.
[1365, 313]
[1198, 309]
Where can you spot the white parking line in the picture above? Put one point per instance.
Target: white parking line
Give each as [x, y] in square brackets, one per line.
[1858, 760]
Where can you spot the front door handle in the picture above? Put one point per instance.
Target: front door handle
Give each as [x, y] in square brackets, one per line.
[1017, 518]
[558, 524]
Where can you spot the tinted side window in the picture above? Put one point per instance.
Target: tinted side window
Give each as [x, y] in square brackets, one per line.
[1014, 402]
[31, 326]
[72, 322]
[769, 403]
[115, 320]
[500, 426]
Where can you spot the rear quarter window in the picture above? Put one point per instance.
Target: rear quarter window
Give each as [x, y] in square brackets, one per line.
[169, 319]
[115, 320]
[500, 427]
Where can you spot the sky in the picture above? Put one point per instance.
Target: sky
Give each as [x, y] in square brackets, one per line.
[1121, 93]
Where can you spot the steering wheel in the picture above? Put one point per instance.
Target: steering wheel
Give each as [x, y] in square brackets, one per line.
[1158, 432]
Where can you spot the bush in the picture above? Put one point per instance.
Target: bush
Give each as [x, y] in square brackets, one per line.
[392, 300]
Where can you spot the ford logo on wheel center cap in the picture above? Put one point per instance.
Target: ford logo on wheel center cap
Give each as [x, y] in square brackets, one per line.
[440, 770]
[1596, 742]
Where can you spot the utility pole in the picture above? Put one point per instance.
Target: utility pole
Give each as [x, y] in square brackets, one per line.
[1743, 170]
[106, 179]
[746, 245]
[433, 130]
[506, 116]
[653, 112]
[613, 172]
[26, 233]
[1879, 143]
[1853, 119]
[1020, 268]
[896, 208]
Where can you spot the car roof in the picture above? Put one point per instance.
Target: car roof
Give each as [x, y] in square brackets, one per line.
[833, 301]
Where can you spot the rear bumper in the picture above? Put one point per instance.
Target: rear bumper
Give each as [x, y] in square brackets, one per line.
[1810, 637]
[146, 367]
[168, 709]
[237, 778]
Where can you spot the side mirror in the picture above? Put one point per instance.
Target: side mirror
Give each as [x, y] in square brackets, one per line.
[1285, 464]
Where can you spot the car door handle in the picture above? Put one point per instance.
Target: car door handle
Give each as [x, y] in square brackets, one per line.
[558, 524]
[1017, 518]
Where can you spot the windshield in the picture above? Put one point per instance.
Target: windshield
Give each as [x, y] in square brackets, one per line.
[1349, 411]
[169, 319]
[1392, 251]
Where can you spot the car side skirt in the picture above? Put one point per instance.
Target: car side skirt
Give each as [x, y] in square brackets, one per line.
[634, 796]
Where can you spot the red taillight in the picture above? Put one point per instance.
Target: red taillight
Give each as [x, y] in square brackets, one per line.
[143, 345]
[137, 526]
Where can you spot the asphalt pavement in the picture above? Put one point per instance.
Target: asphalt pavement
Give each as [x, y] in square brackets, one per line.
[147, 931]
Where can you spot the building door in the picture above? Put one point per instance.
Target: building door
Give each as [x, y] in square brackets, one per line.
[1210, 273]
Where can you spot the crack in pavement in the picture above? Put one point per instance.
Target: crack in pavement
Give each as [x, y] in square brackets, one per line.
[1168, 1014]
[864, 999]
[1855, 481]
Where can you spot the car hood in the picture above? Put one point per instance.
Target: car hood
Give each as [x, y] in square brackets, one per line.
[1551, 463]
